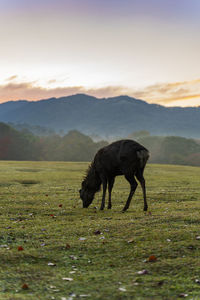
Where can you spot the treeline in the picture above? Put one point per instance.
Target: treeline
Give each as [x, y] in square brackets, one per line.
[75, 146]
[169, 149]
[172, 150]
[23, 145]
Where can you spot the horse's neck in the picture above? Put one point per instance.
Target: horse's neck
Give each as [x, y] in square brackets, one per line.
[92, 179]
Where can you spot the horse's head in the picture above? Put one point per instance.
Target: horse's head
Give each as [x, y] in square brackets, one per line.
[86, 196]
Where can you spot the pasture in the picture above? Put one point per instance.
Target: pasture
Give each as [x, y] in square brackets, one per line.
[51, 248]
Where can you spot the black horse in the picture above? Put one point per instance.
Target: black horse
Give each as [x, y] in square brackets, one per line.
[125, 157]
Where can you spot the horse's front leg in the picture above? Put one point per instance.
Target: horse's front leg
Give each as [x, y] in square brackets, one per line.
[104, 182]
[110, 186]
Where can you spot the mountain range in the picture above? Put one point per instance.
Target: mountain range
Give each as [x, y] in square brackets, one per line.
[116, 116]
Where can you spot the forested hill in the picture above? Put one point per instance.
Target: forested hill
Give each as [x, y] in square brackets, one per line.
[75, 146]
[117, 116]
[23, 145]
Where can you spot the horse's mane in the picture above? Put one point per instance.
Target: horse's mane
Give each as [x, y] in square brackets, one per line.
[92, 180]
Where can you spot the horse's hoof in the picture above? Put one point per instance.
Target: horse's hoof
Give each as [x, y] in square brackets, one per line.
[124, 209]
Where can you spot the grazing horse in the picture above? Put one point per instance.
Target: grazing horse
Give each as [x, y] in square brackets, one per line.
[124, 157]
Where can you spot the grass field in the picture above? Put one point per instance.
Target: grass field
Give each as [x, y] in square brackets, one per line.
[51, 248]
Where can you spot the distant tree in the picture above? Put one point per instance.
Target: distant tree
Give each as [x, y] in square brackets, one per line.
[34, 129]
[76, 146]
[16, 145]
[138, 134]
[193, 159]
[171, 150]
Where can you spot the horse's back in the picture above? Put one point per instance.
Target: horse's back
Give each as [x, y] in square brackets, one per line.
[118, 156]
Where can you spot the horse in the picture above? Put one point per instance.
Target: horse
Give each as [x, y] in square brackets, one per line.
[124, 157]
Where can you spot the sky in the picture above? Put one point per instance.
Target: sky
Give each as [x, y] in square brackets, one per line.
[147, 49]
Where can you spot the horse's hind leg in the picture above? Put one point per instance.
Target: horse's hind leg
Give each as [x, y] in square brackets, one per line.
[110, 186]
[139, 176]
[104, 182]
[133, 184]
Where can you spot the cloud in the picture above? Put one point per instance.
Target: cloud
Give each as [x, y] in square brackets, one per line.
[30, 91]
[185, 93]
[175, 84]
[52, 81]
[181, 98]
[11, 78]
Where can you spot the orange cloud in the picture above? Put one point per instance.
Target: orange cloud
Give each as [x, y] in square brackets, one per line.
[175, 93]
[52, 81]
[176, 84]
[183, 93]
[181, 98]
[11, 78]
[29, 91]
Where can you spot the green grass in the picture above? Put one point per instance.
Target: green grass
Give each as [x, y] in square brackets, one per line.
[40, 210]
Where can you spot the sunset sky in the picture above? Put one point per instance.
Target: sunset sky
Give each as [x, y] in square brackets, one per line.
[147, 49]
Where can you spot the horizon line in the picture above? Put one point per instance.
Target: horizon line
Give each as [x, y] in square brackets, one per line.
[99, 98]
